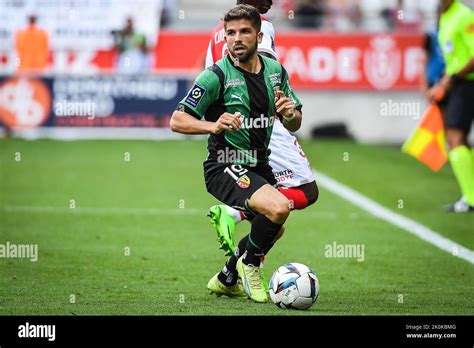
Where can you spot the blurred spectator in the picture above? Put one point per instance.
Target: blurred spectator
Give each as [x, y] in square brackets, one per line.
[133, 51]
[32, 45]
[344, 15]
[310, 13]
[405, 17]
[168, 13]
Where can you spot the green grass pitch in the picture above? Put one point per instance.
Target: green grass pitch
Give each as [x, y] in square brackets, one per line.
[138, 241]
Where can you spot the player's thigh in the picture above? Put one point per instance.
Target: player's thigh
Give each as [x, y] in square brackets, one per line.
[269, 201]
[233, 185]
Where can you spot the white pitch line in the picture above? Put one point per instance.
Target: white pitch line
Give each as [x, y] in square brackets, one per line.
[398, 220]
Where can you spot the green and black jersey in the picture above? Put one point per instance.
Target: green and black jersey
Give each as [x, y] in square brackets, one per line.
[224, 87]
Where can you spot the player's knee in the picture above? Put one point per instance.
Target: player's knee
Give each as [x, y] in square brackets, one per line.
[312, 193]
[279, 211]
[455, 138]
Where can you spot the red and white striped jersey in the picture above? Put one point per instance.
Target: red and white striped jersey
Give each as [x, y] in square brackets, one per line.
[218, 48]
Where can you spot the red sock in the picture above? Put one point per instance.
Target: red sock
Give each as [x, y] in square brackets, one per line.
[295, 195]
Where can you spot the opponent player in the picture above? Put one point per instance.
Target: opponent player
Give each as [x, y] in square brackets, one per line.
[290, 166]
[239, 97]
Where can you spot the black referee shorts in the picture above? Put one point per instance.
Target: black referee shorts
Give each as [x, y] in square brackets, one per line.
[460, 106]
[233, 184]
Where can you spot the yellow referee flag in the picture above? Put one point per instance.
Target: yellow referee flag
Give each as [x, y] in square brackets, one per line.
[427, 142]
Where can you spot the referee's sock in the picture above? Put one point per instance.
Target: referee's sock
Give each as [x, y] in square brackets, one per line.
[462, 162]
[262, 235]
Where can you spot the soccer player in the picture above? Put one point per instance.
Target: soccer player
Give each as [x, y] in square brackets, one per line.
[287, 159]
[456, 38]
[239, 97]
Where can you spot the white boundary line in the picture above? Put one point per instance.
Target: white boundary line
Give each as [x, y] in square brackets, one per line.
[398, 220]
[330, 184]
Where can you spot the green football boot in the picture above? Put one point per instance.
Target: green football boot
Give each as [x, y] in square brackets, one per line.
[252, 281]
[225, 227]
[264, 279]
[216, 287]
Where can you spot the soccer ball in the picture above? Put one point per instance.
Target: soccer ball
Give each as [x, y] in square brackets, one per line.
[294, 286]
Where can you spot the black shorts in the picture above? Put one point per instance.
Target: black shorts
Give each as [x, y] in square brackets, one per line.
[460, 106]
[233, 185]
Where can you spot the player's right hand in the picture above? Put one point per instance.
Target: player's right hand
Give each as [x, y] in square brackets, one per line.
[227, 122]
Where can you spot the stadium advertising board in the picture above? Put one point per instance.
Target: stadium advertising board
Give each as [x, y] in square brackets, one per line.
[318, 60]
[89, 101]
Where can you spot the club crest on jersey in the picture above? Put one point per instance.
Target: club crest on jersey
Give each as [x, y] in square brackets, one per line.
[449, 46]
[275, 79]
[244, 182]
[195, 95]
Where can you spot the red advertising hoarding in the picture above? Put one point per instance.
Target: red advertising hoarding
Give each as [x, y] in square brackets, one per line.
[317, 60]
[388, 61]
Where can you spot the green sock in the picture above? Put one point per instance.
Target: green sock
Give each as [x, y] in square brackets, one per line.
[462, 162]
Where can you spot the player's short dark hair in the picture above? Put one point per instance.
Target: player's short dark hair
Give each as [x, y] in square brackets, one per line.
[244, 12]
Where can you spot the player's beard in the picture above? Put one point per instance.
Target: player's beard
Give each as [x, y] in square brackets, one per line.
[250, 53]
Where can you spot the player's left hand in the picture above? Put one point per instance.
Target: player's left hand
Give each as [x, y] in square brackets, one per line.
[285, 106]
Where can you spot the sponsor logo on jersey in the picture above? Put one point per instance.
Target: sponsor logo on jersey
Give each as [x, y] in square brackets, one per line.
[284, 175]
[449, 46]
[234, 83]
[244, 182]
[256, 123]
[235, 96]
[195, 95]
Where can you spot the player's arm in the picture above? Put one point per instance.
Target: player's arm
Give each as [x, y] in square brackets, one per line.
[467, 69]
[182, 122]
[288, 105]
[467, 39]
[188, 117]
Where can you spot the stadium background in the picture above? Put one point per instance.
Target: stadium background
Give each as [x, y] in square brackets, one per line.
[346, 65]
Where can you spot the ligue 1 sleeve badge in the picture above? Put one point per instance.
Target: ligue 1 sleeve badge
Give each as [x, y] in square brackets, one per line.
[244, 182]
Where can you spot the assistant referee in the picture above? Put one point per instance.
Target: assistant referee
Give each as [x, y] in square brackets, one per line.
[456, 38]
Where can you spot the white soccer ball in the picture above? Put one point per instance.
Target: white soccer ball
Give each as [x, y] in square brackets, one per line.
[294, 286]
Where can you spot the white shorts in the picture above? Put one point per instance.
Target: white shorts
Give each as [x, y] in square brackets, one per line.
[290, 165]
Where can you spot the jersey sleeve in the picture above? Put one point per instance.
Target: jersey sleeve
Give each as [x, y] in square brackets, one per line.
[202, 95]
[467, 32]
[268, 42]
[288, 90]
